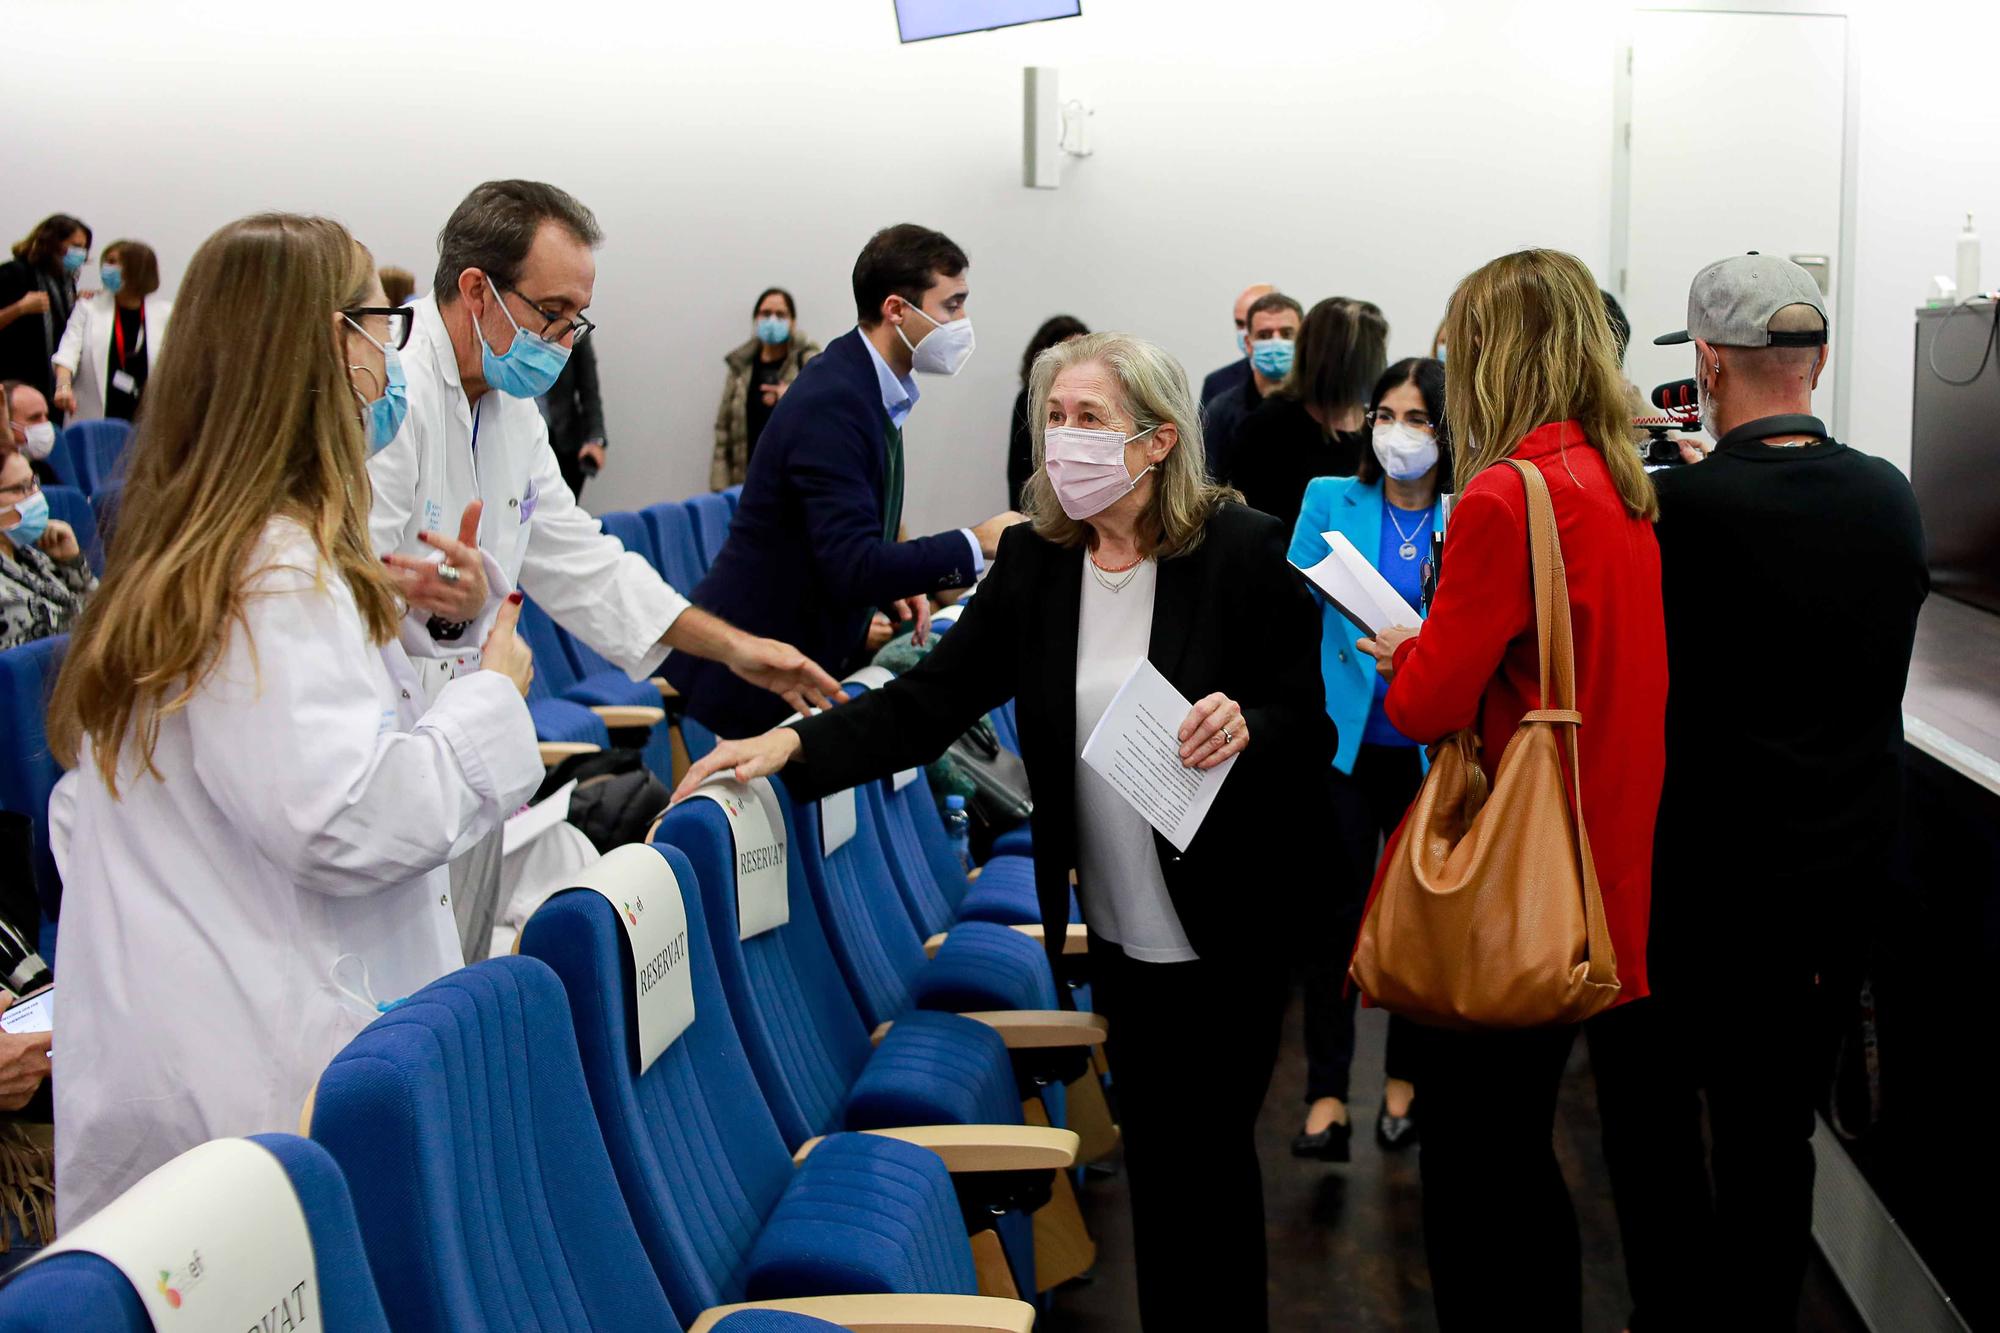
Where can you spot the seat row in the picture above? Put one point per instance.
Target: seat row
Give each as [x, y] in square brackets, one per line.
[523, 1151]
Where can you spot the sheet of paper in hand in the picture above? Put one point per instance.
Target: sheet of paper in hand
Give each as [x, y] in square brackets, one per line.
[1357, 589]
[1136, 748]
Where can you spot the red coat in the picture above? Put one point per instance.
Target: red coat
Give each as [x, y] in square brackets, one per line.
[1479, 640]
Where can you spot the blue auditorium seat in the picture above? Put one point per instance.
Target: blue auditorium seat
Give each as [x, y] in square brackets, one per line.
[79, 1292]
[63, 464]
[707, 1176]
[926, 869]
[711, 516]
[97, 448]
[485, 1195]
[29, 772]
[733, 494]
[632, 533]
[104, 502]
[72, 506]
[555, 673]
[681, 563]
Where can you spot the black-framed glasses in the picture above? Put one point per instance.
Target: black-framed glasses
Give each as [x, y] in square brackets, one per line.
[1382, 416]
[555, 328]
[401, 320]
[22, 491]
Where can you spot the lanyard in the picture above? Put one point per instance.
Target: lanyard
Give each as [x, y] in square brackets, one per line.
[118, 334]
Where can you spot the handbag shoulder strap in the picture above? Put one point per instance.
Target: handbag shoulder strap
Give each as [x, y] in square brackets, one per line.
[1557, 651]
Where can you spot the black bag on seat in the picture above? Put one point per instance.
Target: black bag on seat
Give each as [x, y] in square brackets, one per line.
[616, 800]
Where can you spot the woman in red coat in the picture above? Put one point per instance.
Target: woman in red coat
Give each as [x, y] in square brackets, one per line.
[1534, 375]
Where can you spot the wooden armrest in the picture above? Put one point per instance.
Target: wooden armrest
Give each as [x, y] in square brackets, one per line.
[1076, 937]
[972, 875]
[1076, 940]
[975, 1148]
[881, 1030]
[630, 715]
[894, 1313]
[1030, 1029]
[666, 691]
[554, 752]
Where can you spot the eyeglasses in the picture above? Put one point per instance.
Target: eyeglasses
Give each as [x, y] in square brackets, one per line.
[1384, 417]
[401, 319]
[23, 491]
[555, 328]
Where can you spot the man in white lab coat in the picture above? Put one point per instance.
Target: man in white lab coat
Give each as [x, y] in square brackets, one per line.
[515, 273]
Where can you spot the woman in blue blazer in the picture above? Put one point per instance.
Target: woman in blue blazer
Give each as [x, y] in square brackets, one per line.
[1389, 510]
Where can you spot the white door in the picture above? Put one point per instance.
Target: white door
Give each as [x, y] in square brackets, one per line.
[1736, 140]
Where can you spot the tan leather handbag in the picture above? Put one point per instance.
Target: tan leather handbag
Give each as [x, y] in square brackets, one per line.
[1489, 914]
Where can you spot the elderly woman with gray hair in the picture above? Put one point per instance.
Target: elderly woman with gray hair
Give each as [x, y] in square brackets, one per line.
[1131, 553]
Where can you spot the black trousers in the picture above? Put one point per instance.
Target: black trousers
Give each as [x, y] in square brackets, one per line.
[1754, 1038]
[1188, 1090]
[1368, 804]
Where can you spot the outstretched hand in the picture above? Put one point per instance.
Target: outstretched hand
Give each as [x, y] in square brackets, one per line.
[758, 757]
[785, 672]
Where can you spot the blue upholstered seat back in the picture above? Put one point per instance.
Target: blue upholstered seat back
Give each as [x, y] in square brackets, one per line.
[632, 533]
[871, 931]
[75, 1291]
[72, 506]
[486, 1197]
[926, 868]
[673, 536]
[797, 1021]
[692, 1141]
[97, 449]
[28, 772]
[711, 515]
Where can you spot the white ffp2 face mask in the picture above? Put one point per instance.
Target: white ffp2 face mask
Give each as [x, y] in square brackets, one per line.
[1087, 468]
[38, 439]
[1405, 452]
[944, 350]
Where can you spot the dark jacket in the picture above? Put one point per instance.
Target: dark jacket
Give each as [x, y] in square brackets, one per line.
[1279, 448]
[575, 412]
[805, 561]
[1231, 616]
[1020, 450]
[1232, 376]
[27, 344]
[1222, 422]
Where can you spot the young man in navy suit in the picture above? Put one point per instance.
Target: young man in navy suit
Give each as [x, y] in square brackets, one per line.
[813, 550]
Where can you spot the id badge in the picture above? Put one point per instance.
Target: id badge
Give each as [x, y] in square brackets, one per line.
[123, 382]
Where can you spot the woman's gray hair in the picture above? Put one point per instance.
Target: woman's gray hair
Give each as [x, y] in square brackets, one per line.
[1154, 391]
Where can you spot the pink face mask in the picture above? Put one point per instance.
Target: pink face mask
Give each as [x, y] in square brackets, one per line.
[1087, 468]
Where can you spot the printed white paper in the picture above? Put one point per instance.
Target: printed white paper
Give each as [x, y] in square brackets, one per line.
[35, 1014]
[1136, 748]
[524, 826]
[1357, 589]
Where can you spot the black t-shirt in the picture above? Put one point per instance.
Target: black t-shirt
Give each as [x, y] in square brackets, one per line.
[1792, 577]
[129, 353]
[1279, 449]
[762, 372]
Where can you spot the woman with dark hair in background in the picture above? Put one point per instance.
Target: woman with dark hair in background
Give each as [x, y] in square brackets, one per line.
[1388, 509]
[37, 293]
[101, 363]
[1021, 434]
[1311, 424]
[759, 373]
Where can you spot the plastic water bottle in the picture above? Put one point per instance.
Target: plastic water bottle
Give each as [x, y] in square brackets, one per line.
[958, 827]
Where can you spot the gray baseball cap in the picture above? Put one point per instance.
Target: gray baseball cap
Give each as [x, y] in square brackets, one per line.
[1730, 303]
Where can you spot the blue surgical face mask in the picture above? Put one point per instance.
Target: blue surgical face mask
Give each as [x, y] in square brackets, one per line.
[111, 278]
[1272, 357]
[73, 258]
[34, 512]
[386, 413]
[529, 366]
[1242, 341]
[773, 330]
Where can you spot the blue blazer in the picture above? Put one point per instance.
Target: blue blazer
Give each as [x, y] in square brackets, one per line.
[1354, 509]
[805, 561]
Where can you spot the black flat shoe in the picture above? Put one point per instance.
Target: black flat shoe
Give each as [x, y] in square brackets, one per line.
[1396, 1132]
[1329, 1145]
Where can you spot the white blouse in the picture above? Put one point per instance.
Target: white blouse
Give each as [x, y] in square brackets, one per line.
[1123, 894]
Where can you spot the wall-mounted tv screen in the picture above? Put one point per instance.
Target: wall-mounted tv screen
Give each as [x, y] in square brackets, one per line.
[920, 20]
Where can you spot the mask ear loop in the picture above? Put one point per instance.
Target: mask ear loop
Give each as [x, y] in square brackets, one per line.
[365, 997]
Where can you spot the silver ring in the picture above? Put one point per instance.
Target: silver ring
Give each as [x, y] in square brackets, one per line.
[448, 572]
[1227, 739]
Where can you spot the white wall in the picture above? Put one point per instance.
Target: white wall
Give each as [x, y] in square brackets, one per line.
[1370, 150]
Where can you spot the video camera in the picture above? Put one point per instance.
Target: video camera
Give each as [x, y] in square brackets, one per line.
[1680, 409]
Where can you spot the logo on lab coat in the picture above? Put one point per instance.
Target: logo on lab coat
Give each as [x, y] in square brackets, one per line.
[433, 515]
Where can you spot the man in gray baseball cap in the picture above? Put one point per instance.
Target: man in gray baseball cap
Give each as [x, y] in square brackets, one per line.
[1792, 569]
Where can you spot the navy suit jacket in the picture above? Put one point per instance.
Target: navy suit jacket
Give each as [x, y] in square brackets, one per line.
[805, 561]
[1232, 376]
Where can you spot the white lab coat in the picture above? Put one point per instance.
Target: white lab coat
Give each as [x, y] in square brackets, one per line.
[562, 557]
[85, 350]
[305, 808]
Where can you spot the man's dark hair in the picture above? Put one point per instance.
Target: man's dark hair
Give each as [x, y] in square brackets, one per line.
[902, 260]
[1270, 303]
[1621, 327]
[492, 228]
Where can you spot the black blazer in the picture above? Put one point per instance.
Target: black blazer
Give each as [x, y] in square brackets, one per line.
[1231, 615]
[805, 561]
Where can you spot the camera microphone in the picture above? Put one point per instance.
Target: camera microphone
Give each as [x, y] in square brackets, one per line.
[1676, 396]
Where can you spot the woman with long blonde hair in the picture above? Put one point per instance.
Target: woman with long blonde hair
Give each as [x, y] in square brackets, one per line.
[1534, 376]
[1132, 556]
[254, 833]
